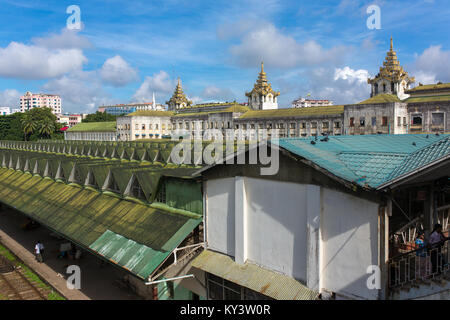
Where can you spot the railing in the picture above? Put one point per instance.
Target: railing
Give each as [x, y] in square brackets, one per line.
[419, 265]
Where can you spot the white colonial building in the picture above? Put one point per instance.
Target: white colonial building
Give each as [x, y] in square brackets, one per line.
[144, 124]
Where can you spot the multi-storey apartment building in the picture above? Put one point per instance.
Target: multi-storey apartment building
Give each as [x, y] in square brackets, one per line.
[39, 100]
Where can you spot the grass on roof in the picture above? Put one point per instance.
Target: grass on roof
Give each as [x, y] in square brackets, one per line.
[94, 127]
[430, 87]
[428, 99]
[381, 98]
[233, 109]
[293, 112]
[150, 113]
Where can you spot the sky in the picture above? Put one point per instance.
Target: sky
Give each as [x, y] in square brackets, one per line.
[126, 50]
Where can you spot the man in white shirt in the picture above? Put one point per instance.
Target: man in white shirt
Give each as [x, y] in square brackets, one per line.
[38, 251]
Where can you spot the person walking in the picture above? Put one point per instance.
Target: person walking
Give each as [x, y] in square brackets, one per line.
[37, 251]
[437, 240]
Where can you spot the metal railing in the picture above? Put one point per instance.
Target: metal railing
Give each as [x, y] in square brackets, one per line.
[419, 265]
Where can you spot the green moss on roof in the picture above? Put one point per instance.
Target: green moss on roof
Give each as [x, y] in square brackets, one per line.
[293, 112]
[232, 109]
[94, 127]
[151, 113]
[381, 98]
[428, 99]
[430, 87]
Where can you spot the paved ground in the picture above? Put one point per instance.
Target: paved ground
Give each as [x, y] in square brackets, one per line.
[97, 283]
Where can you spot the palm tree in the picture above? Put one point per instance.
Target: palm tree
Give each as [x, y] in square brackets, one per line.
[28, 125]
[46, 127]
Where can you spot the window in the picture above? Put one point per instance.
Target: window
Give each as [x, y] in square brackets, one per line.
[337, 125]
[384, 121]
[162, 194]
[374, 121]
[325, 125]
[143, 127]
[303, 125]
[399, 121]
[314, 125]
[352, 122]
[221, 289]
[292, 125]
[362, 121]
[417, 120]
[437, 119]
[404, 121]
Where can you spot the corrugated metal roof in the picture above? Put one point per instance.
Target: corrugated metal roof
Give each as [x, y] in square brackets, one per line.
[370, 160]
[85, 216]
[269, 283]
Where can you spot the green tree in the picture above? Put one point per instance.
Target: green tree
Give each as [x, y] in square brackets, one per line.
[99, 117]
[29, 125]
[46, 128]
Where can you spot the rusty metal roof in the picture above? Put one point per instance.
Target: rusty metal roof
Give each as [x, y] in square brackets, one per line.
[269, 283]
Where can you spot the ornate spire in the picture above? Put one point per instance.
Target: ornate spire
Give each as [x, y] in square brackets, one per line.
[391, 69]
[262, 86]
[178, 99]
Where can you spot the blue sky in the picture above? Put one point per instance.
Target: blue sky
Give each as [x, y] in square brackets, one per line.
[127, 50]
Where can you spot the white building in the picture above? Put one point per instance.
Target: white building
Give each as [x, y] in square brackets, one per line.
[39, 100]
[144, 125]
[306, 103]
[4, 111]
[319, 223]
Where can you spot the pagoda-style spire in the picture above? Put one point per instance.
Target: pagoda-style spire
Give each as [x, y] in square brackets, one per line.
[262, 93]
[178, 99]
[391, 75]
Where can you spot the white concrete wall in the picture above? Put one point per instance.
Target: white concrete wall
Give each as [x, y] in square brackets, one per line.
[322, 237]
[276, 226]
[220, 215]
[349, 228]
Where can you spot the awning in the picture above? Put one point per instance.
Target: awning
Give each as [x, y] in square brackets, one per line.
[269, 283]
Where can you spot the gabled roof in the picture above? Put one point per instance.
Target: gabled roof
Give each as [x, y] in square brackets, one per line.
[371, 160]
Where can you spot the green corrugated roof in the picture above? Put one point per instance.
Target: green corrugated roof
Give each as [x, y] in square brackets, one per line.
[293, 112]
[94, 127]
[84, 216]
[269, 283]
[370, 160]
[428, 87]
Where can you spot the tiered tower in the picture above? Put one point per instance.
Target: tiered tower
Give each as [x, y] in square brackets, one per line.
[392, 78]
[262, 97]
[178, 99]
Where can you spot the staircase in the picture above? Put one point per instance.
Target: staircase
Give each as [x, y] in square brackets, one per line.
[437, 288]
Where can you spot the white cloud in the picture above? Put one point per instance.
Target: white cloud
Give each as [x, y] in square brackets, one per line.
[80, 91]
[279, 50]
[22, 61]
[117, 72]
[67, 39]
[160, 83]
[351, 75]
[432, 65]
[213, 93]
[9, 98]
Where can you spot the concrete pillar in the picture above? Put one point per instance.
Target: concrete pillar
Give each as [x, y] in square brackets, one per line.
[240, 223]
[384, 213]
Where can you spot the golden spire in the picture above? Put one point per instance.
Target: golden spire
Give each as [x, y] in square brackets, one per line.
[178, 96]
[262, 86]
[391, 69]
